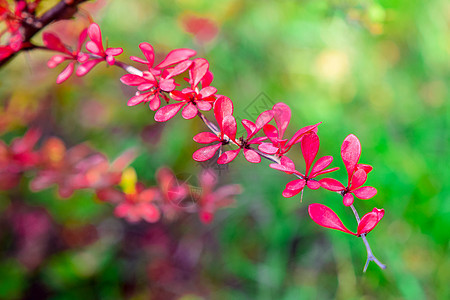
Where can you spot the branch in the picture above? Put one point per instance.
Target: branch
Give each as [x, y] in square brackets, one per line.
[273, 158]
[65, 9]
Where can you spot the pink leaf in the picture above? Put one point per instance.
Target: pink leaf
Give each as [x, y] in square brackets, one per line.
[179, 96]
[288, 163]
[206, 138]
[203, 105]
[348, 199]
[310, 146]
[55, 60]
[300, 133]
[205, 153]
[252, 156]
[133, 80]
[325, 171]
[207, 79]
[198, 69]
[358, 179]
[228, 156]
[167, 85]
[271, 132]
[189, 111]
[366, 192]
[135, 100]
[313, 184]
[95, 35]
[321, 164]
[176, 56]
[222, 107]
[168, 112]
[84, 68]
[293, 188]
[114, 51]
[208, 91]
[366, 168]
[249, 126]
[331, 184]
[370, 220]
[65, 74]
[53, 42]
[297, 184]
[154, 102]
[282, 116]
[350, 152]
[148, 52]
[325, 217]
[81, 39]
[264, 118]
[229, 127]
[178, 69]
[268, 148]
[94, 48]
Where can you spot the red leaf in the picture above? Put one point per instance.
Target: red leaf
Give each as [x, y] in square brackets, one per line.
[268, 148]
[222, 107]
[206, 138]
[312, 184]
[348, 199]
[271, 132]
[364, 167]
[65, 74]
[176, 56]
[295, 186]
[331, 184]
[53, 42]
[249, 126]
[358, 179]
[132, 80]
[203, 105]
[310, 146]
[208, 91]
[228, 156]
[282, 116]
[205, 153]
[264, 118]
[252, 156]
[325, 217]
[370, 220]
[84, 68]
[168, 112]
[148, 52]
[135, 100]
[180, 68]
[350, 152]
[300, 133]
[207, 79]
[189, 111]
[229, 127]
[96, 36]
[199, 68]
[321, 164]
[366, 192]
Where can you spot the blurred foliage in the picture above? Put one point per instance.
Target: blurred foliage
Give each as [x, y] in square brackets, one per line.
[378, 69]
